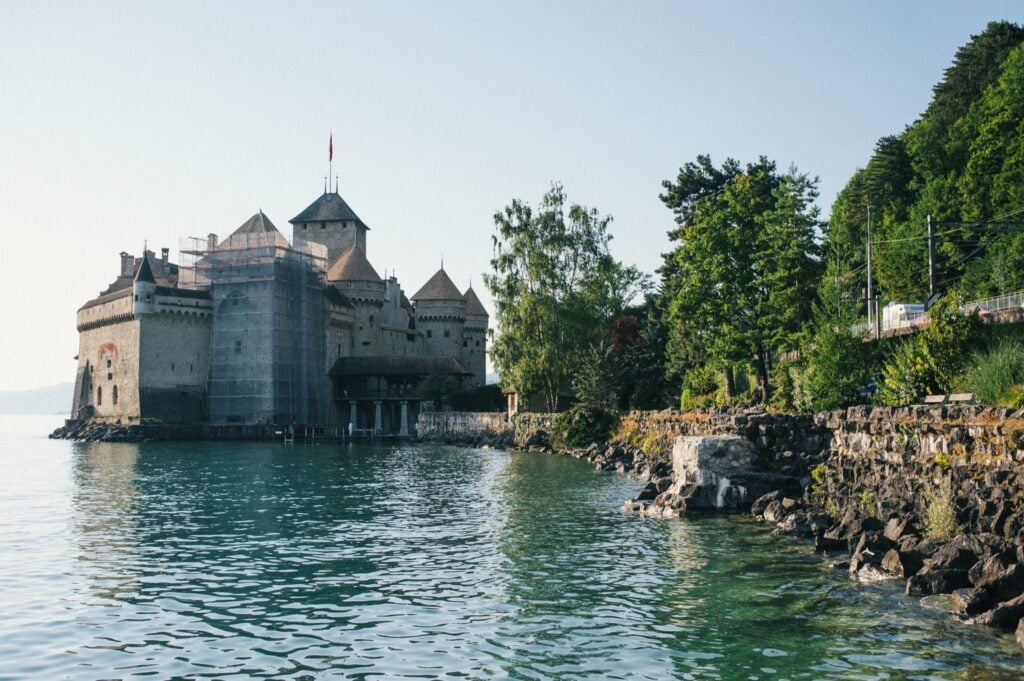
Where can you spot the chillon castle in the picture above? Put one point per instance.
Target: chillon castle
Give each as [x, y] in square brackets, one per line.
[256, 329]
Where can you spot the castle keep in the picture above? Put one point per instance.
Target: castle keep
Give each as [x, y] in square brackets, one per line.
[257, 329]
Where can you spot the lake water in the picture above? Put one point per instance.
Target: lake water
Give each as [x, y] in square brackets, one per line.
[240, 561]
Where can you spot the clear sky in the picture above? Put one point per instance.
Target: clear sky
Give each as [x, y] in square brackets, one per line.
[125, 122]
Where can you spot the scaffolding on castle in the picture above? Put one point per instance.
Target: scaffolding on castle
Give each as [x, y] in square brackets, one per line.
[267, 362]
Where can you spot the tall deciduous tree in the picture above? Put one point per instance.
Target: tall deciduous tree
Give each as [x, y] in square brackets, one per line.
[556, 291]
[741, 279]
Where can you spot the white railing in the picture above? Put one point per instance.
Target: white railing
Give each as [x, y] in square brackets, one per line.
[917, 319]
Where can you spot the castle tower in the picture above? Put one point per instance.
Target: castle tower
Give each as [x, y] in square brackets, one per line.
[474, 338]
[354, 276]
[440, 314]
[331, 222]
[144, 287]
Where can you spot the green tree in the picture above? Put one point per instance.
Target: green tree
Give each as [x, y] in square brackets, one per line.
[836, 360]
[556, 290]
[741, 279]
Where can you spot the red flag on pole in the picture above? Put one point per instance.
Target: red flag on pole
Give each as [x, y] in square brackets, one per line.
[330, 148]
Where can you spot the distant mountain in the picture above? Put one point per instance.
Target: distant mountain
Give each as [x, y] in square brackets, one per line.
[53, 399]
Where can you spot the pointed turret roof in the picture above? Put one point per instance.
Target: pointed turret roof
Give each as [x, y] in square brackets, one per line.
[439, 287]
[330, 207]
[257, 231]
[145, 271]
[473, 304]
[352, 265]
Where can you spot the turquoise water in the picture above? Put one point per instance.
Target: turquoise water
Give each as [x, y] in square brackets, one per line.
[238, 561]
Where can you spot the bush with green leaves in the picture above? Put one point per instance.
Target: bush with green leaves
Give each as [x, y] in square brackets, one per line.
[582, 424]
[940, 512]
[996, 375]
[933, 362]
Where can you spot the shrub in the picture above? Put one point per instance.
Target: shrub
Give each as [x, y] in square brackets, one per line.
[934, 360]
[940, 512]
[700, 386]
[582, 424]
[996, 376]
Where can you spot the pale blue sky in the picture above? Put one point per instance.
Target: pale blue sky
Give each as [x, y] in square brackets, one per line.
[121, 122]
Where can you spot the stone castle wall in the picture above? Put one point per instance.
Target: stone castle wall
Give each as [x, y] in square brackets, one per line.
[108, 359]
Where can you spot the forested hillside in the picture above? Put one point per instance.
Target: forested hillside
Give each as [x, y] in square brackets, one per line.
[962, 160]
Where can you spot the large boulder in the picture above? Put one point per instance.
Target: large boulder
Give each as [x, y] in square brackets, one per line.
[716, 472]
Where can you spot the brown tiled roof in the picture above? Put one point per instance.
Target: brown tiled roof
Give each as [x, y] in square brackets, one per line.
[438, 287]
[473, 304]
[352, 265]
[398, 366]
[256, 232]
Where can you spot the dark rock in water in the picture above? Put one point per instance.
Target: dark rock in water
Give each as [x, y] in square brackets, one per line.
[870, 547]
[928, 582]
[774, 512]
[951, 557]
[1004, 580]
[793, 524]
[761, 503]
[971, 601]
[900, 564]
[824, 544]
[870, 573]
[648, 493]
[1006, 615]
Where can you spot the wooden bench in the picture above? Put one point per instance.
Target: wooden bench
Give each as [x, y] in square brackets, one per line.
[935, 399]
[962, 398]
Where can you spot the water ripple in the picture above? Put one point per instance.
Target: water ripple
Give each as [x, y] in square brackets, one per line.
[169, 560]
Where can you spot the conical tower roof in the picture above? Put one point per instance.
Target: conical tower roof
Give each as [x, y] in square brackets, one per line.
[473, 304]
[330, 207]
[439, 287]
[257, 231]
[352, 265]
[145, 271]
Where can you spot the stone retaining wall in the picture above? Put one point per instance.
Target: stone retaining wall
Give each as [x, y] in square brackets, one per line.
[464, 427]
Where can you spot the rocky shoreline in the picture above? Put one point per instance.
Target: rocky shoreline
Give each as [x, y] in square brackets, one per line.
[870, 487]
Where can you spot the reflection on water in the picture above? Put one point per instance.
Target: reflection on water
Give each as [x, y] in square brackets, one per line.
[264, 561]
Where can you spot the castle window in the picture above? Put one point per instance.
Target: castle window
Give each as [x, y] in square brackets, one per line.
[323, 225]
[108, 362]
[429, 334]
[114, 395]
[99, 395]
[304, 226]
[371, 319]
[465, 344]
[339, 349]
[478, 343]
[447, 333]
[110, 376]
[172, 366]
[136, 297]
[238, 346]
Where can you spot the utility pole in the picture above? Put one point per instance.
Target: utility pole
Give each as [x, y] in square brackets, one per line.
[931, 260]
[871, 290]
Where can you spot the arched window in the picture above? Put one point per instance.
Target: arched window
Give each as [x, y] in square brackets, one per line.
[113, 396]
[99, 395]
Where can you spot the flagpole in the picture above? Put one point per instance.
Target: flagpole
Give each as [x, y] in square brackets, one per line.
[330, 159]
